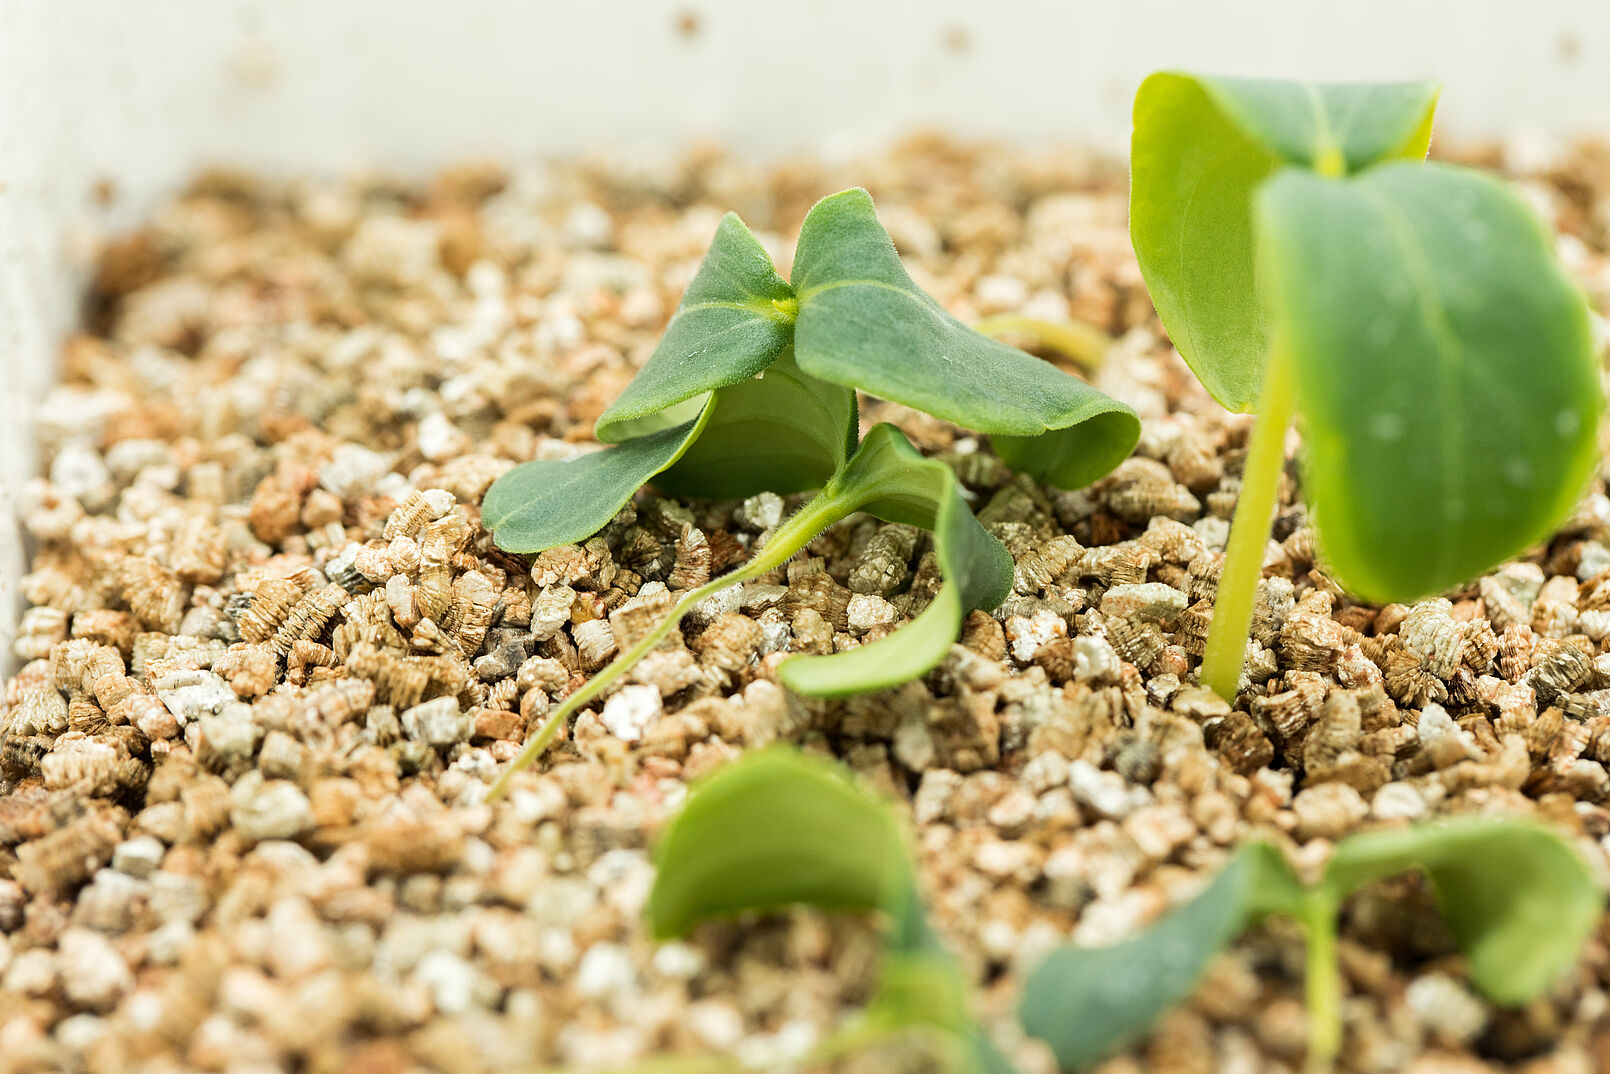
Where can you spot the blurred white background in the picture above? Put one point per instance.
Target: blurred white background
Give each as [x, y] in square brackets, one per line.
[143, 93]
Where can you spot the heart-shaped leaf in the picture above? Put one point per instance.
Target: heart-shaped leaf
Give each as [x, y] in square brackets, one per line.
[888, 478]
[1520, 901]
[1200, 147]
[1086, 1002]
[863, 323]
[540, 505]
[774, 829]
[1443, 365]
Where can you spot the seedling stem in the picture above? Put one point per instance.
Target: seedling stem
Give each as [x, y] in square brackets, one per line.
[1249, 532]
[1322, 983]
[798, 531]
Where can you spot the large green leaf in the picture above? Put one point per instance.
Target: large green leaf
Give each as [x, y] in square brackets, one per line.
[888, 478]
[774, 829]
[1086, 1002]
[1444, 370]
[779, 431]
[735, 318]
[1520, 901]
[863, 323]
[1200, 147]
[539, 505]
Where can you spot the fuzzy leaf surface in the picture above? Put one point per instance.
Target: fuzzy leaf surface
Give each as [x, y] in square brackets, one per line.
[890, 479]
[1086, 1002]
[1200, 148]
[734, 319]
[774, 829]
[549, 502]
[1518, 898]
[1444, 370]
[864, 324]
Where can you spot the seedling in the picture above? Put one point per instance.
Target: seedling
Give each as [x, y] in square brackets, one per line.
[824, 843]
[753, 388]
[1518, 899]
[1307, 263]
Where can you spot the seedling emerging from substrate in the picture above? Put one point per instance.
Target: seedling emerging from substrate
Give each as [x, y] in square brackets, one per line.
[1307, 262]
[752, 389]
[823, 842]
[1519, 901]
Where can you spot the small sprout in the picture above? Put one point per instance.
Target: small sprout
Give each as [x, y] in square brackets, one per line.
[1413, 316]
[778, 828]
[752, 389]
[1518, 899]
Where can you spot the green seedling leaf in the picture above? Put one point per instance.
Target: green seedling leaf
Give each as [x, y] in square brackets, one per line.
[1443, 366]
[774, 829]
[720, 411]
[921, 988]
[1520, 901]
[864, 324]
[773, 429]
[779, 828]
[735, 318]
[1200, 147]
[888, 478]
[1087, 1002]
[542, 504]
[780, 431]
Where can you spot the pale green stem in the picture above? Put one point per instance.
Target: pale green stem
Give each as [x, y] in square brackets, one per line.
[1084, 344]
[1249, 532]
[821, 512]
[1322, 984]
